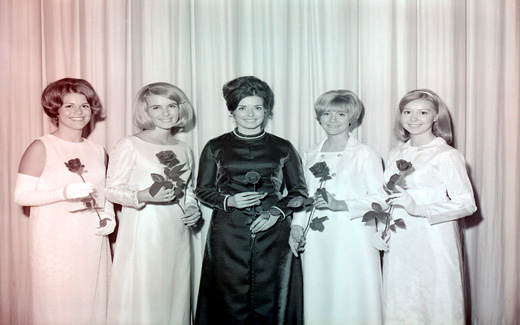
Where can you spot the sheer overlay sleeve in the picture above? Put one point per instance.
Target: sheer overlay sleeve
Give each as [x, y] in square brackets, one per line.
[191, 199]
[460, 202]
[372, 175]
[120, 168]
[206, 189]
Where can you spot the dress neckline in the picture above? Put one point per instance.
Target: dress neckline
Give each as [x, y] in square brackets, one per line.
[247, 136]
[156, 144]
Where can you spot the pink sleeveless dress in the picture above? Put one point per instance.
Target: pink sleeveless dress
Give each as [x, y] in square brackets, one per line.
[70, 265]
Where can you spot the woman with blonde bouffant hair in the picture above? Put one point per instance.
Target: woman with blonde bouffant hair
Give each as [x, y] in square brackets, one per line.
[150, 176]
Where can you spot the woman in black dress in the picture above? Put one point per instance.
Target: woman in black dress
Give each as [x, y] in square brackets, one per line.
[249, 275]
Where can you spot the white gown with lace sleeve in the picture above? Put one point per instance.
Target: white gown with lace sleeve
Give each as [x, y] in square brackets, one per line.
[422, 271]
[150, 281]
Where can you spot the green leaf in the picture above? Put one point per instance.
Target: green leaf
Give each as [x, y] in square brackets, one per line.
[155, 188]
[317, 223]
[157, 178]
[369, 216]
[308, 201]
[377, 207]
[323, 193]
[168, 184]
[296, 202]
[177, 170]
[400, 223]
[392, 227]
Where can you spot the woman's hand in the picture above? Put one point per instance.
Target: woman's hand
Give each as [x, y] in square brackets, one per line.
[294, 239]
[402, 198]
[246, 199]
[191, 216]
[110, 224]
[164, 195]
[332, 204]
[263, 222]
[379, 243]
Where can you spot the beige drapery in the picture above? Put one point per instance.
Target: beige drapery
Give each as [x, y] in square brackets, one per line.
[466, 51]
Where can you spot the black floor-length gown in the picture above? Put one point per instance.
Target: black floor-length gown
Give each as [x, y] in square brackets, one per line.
[248, 278]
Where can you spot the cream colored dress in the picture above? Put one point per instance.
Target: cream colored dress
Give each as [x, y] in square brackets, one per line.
[422, 276]
[151, 275]
[341, 268]
[70, 265]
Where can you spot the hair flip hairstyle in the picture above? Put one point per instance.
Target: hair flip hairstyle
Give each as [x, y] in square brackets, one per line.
[53, 94]
[441, 128]
[166, 90]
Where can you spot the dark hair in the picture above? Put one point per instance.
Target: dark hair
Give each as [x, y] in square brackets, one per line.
[166, 90]
[53, 94]
[237, 89]
[339, 98]
[441, 128]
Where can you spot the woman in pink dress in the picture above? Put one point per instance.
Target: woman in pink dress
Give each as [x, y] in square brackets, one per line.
[70, 254]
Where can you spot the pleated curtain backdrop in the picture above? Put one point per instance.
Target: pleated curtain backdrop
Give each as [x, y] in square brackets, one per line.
[465, 50]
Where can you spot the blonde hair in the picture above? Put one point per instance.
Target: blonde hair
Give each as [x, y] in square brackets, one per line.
[339, 98]
[441, 128]
[166, 90]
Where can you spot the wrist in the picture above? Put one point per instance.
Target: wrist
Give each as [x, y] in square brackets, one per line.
[277, 213]
[420, 211]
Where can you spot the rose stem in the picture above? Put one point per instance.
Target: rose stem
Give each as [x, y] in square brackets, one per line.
[95, 209]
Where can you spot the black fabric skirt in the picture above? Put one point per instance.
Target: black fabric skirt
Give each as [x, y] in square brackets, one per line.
[246, 278]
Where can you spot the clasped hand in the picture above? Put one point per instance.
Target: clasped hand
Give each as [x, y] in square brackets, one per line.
[294, 239]
[246, 199]
[251, 199]
[163, 195]
[110, 224]
[332, 204]
[191, 216]
[405, 200]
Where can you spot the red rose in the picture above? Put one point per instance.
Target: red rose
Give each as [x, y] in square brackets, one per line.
[165, 157]
[320, 170]
[252, 177]
[74, 165]
[403, 165]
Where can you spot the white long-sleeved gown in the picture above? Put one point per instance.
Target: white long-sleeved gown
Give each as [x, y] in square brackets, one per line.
[422, 271]
[341, 268]
[150, 281]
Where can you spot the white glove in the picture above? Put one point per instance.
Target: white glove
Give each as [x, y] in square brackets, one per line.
[108, 228]
[380, 243]
[405, 200]
[109, 216]
[25, 192]
[78, 190]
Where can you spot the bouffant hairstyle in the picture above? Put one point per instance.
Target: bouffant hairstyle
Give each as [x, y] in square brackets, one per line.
[339, 98]
[237, 89]
[441, 127]
[166, 90]
[53, 94]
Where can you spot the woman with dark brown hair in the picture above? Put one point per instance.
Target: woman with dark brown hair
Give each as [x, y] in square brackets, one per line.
[249, 275]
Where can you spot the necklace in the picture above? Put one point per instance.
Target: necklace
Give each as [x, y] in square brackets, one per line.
[247, 136]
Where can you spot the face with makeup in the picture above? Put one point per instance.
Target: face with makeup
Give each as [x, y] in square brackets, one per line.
[249, 115]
